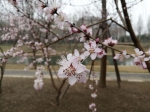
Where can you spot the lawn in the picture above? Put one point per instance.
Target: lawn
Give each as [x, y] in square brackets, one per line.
[110, 68]
[20, 96]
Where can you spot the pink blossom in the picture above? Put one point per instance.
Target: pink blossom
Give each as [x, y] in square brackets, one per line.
[148, 52]
[110, 42]
[39, 60]
[72, 69]
[38, 84]
[46, 40]
[92, 106]
[96, 82]
[93, 95]
[101, 53]
[121, 56]
[91, 87]
[93, 50]
[50, 11]
[97, 40]
[60, 20]
[137, 53]
[54, 39]
[13, 2]
[88, 32]
[139, 58]
[72, 29]
[80, 57]
[140, 61]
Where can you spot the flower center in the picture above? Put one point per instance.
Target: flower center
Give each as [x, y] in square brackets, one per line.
[91, 50]
[69, 71]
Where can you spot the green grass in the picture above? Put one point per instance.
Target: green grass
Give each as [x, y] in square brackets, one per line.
[6, 47]
[127, 69]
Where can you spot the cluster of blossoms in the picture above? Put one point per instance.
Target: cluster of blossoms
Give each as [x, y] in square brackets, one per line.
[93, 50]
[92, 106]
[92, 87]
[38, 83]
[140, 58]
[110, 42]
[72, 68]
[12, 33]
[121, 56]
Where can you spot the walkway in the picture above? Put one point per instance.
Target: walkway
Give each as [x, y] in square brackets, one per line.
[110, 76]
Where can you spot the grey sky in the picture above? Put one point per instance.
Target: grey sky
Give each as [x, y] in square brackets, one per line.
[78, 6]
[141, 8]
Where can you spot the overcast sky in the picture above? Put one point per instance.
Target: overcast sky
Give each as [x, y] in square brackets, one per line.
[141, 8]
[77, 7]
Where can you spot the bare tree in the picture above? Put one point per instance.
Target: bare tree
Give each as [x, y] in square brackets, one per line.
[139, 26]
[148, 26]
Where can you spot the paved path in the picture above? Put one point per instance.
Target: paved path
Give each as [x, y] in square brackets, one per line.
[110, 76]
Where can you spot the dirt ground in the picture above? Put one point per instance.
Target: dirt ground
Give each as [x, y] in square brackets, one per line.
[20, 96]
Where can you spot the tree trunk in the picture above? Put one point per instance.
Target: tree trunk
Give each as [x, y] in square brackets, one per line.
[116, 69]
[102, 81]
[34, 59]
[0, 87]
[2, 74]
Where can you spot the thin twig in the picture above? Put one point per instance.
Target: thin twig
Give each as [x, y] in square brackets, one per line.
[99, 22]
[59, 91]
[120, 25]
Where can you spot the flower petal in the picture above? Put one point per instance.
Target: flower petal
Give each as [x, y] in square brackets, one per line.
[93, 56]
[80, 68]
[146, 59]
[97, 50]
[86, 53]
[136, 50]
[93, 44]
[72, 79]
[144, 65]
[76, 53]
[117, 56]
[82, 77]
[69, 56]
[127, 56]
[86, 45]
[61, 74]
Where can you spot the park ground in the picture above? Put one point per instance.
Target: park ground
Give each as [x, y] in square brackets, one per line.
[20, 96]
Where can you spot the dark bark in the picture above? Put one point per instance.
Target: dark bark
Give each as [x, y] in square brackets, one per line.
[102, 81]
[116, 70]
[1, 79]
[2, 74]
[52, 79]
[91, 69]
[119, 13]
[131, 31]
[65, 91]
[59, 92]
[34, 58]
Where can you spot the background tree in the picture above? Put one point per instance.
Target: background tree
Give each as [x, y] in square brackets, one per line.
[148, 27]
[139, 27]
